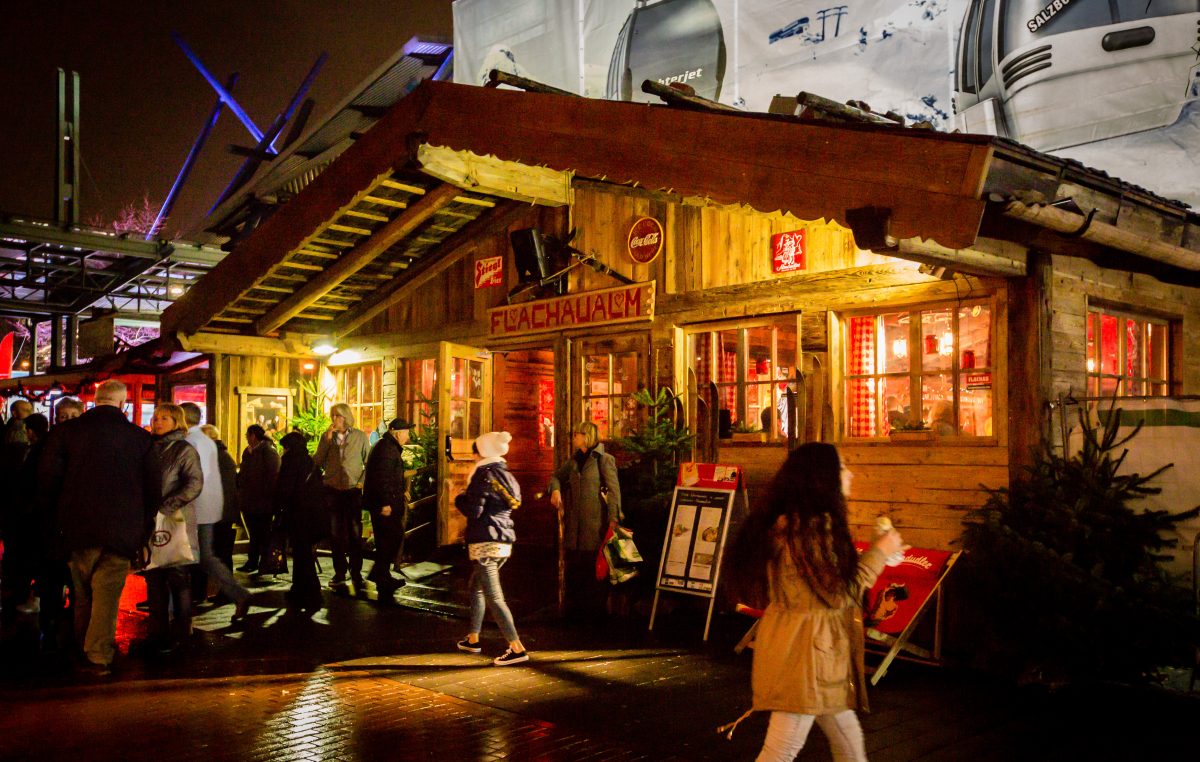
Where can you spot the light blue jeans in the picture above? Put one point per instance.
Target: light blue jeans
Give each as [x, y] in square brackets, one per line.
[787, 732]
[485, 590]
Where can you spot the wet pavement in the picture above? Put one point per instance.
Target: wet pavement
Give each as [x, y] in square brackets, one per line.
[365, 681]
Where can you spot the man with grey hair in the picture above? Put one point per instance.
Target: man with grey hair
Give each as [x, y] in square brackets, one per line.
[210, 507]
[342, 456]
[101, 476]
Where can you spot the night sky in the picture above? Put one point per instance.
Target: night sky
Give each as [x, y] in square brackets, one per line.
[143, 103]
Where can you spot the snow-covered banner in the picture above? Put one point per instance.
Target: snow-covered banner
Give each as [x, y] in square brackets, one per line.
[1113, 83]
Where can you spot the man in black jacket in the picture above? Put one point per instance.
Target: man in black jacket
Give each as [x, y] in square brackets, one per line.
[101, 474]
[383, 495]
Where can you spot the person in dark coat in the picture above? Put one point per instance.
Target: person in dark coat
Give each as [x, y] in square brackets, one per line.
[256, 489]
[492, 495]
[299, 499]
[100, 473]
[169, 588]
[591, 505]
[384, 496]
[22, 538]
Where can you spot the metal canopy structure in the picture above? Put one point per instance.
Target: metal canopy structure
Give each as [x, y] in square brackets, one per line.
[49, 270]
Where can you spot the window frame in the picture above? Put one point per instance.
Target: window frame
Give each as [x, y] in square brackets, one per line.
[1095, 375]
[742, 352]
[916, 372]
[357, 405]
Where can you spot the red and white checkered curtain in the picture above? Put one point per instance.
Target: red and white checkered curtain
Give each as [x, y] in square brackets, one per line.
[729, 373]
[861, 391]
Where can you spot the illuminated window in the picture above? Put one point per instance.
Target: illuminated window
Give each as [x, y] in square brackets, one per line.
[417, 393]
[609, 381]
[361, 387]
[930, 366]
[749, 365]
[1127, 354]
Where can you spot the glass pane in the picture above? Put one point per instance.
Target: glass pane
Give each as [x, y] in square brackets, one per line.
[458, 378]
[475, 421]
[785, 346]
[427, 375]
[625, 413]
[760, 406]
[937, 340]
[1156, 351]
[596, 411]
[728, 397]
[1132, 388]
[625, 374]
[860, 407]
[1108, 345]
[1137, 10]
[475, 386]
[1093, 386]
[897, 403]
[974, 336]
[458, 415]
[1158, 390]
[727, 356]
[595, 374]
[1133, 349]
[894, 352]
[1093, 364]
[937, 404]
[975, 404]
[1108, 386]
[758, 356]
[780, 410]
[700, 357]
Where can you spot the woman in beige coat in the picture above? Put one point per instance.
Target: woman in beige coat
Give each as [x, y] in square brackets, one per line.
[796, 554]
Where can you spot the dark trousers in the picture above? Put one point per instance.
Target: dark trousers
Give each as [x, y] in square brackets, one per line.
[306, 588]
[345, 531]
[53, 617]
[258, 526]
[167, 588]
[586, 596]
[223, 537]
[389, 541]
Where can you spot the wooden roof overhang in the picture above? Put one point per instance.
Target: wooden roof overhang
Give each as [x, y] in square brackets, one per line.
[373, 220]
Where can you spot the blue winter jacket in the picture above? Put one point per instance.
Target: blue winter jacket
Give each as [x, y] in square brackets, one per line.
[488, 511]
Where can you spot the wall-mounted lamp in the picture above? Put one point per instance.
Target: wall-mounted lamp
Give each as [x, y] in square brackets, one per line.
[344, 357]
[323, 348]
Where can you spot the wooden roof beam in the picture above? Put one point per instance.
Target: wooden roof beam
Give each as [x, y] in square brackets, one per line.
[357, 258]
[426, 268]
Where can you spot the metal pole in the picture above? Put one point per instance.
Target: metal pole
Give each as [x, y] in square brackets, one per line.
[224, 94]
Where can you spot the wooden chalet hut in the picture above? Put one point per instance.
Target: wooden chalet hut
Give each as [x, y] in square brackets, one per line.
[959, 280]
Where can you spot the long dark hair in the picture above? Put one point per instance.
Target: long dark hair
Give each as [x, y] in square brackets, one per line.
[807, 493]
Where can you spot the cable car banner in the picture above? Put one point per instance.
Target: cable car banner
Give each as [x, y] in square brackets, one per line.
[1114, 85]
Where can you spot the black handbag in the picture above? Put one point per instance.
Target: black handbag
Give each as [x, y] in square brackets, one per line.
[274, 558]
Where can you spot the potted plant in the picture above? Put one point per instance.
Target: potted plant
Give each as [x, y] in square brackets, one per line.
[911, 431]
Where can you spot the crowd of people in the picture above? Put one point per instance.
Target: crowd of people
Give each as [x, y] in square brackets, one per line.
[84, 494]
[83, 497]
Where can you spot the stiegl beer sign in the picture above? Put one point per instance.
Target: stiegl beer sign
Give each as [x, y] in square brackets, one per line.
[624, 304]
[645, 240]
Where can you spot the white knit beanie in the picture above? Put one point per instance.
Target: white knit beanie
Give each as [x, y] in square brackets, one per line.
[493, 444]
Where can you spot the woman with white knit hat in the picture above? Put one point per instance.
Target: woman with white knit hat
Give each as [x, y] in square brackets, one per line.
[492, 495]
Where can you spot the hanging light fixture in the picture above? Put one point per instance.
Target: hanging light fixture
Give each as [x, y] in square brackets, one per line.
[323, 347]
[900, 348]
[946, 345]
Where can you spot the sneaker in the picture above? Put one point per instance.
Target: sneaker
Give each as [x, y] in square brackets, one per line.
[511, 657]
[248, 567]
[469, 647]
[93, 669]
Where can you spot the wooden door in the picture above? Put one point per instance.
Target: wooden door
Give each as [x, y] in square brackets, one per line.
[464, 412]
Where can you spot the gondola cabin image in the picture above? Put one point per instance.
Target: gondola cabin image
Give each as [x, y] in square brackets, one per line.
[1062, 73]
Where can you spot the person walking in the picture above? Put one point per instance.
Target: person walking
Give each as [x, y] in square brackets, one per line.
[491, 496]
[384, 497]
[299, 499]
[210, 512]
[100, 473]
[223, 531]
[23, 549]
[256, 488]
[169, 588]
[592, 506]
[342, 457]
[795, 553]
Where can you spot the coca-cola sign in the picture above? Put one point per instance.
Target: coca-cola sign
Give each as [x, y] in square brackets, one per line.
[787, 252]
[645, 240]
